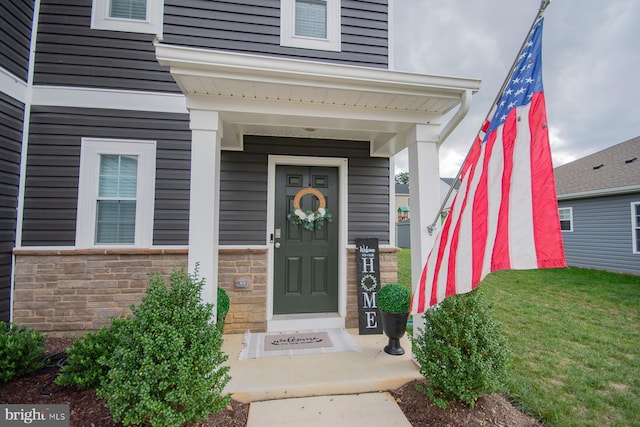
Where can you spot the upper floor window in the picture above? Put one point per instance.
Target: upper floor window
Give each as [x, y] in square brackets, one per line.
[311, 18]
[116, 193]
[135, 16]
[128, 9]
[310, 24]
[635, 226]
[566, 219]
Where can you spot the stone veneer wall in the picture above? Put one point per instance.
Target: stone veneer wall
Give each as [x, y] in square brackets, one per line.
[62, 292]
[248, 310]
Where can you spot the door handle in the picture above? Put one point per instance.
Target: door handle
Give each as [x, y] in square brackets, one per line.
[277, 245]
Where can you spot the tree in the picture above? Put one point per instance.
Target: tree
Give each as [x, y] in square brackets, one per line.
[402, 177]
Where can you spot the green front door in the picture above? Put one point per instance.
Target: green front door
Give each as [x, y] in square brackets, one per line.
[305, 262]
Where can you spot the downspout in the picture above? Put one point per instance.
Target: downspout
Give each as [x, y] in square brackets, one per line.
[457, 118]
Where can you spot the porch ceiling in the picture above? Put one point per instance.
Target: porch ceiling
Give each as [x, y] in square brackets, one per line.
[258, 95]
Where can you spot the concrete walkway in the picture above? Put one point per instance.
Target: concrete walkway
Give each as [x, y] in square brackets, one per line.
[369, 409]
[334, 389]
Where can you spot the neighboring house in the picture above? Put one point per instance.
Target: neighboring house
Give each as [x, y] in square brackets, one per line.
[402, 202]
[402, 198]
[599, 207]
[403, 225]
[136, 140]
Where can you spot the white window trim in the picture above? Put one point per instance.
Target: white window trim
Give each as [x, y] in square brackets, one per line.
[90, 152]
[100, 19]
[288, 37]
[634, 231]
[570, 230]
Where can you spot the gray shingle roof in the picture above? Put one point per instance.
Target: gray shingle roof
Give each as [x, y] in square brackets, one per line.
[612, 168]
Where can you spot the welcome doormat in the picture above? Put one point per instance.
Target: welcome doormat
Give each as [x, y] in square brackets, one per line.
[295, 343]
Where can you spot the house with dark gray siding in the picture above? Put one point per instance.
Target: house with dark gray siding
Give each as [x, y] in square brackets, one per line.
[140, 136]
[599, 207]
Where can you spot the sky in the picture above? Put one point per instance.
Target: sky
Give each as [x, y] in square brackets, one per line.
[590, 60]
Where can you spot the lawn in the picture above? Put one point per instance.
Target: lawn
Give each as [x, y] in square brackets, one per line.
[574, 335]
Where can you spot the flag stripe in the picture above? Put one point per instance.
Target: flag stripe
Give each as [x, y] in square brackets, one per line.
[505, 214]
[522, 249]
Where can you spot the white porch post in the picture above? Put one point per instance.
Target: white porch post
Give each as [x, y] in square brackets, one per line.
[206, 129]
[424, 193]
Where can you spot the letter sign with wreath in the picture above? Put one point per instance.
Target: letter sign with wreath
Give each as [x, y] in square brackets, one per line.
[310, 220]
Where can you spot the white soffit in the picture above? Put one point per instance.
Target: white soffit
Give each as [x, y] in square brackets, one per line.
[262, 95]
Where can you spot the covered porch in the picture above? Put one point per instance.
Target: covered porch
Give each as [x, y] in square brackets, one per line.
[231, 96]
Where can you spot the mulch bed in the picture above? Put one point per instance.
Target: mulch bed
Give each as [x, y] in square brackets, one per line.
[86, 410]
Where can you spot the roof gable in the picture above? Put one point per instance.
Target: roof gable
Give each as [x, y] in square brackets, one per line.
[614, 168]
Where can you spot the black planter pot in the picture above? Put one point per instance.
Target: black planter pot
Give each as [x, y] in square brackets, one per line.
[394, 326]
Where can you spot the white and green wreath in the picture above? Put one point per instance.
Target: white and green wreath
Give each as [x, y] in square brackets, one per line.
[310, 220]
[374, 282]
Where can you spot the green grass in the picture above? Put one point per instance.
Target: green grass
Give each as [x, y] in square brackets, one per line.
[404, 267]
[574, 335]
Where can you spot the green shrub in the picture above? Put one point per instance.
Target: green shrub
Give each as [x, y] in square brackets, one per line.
[87, 357]
[223, 307]
[394, 298]
[167, 368]
[461, 351]
[21, 351]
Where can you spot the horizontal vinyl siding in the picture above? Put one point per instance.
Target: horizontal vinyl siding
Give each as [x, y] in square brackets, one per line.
[602, 235]
[243, 187]
[15, 36]
[54, 160]
[253, 27]
[11, 115]
[70, 53]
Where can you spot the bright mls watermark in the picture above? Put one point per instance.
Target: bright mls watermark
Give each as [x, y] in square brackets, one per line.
[36, 415]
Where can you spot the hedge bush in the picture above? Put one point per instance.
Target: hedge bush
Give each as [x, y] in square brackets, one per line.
[87, 357]
[21, 351]
[461, 351]
[167, 368]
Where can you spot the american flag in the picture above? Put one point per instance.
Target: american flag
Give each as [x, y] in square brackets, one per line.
[505, 214]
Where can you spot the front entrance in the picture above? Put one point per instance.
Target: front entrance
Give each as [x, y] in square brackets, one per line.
[305, 261]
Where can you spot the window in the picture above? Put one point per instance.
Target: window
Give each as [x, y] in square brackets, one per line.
[311, 19]
[635, 226]
[310, 24]
[566, 219]
[116, 193]
[135, 16]
[128, 9]
[117, 197]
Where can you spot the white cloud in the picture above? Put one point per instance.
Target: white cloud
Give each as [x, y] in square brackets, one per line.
[591, 63]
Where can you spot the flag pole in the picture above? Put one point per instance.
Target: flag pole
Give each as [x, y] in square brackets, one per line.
[543, 6]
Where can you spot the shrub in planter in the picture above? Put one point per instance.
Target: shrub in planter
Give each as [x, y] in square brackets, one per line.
[394, 301]
[461, 351]
[167, 367]
[394, 298]
[87, 357]
[21, 351]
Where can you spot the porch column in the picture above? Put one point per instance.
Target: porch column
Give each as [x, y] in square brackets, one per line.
[206, 133]
[424, 193]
